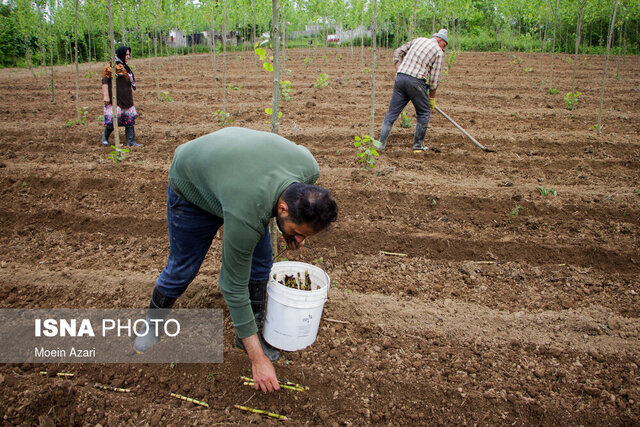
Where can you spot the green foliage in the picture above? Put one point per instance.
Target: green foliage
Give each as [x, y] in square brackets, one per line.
[165, 97]
[367, 150]
[118, 154]
[405, 120]
[90, 74]
[322, 81]
[307, 61]
[545, 192]
[222, 117]
[553, 91]
[571, 100]
[84, 111]
[231, 86]
[434, 203]
[529, 70]
[597, 127]
[269, 112]
[262, 54]
[516, 210]
[516, 59]
[285, 90]
[451, 59]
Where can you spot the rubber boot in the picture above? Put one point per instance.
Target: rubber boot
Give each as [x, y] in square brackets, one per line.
[130, 133]
[105, 136]
[257, 294]
[159, 309]
[418, 137]
[384, 134]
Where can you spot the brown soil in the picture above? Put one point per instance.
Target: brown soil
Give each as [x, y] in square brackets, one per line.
[500, 305]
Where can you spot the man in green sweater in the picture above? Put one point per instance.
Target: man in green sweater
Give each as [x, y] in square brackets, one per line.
[240, 178]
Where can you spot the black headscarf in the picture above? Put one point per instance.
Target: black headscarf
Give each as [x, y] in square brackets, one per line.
[121, 55]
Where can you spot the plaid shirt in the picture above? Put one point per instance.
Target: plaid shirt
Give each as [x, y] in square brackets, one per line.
[420, 58]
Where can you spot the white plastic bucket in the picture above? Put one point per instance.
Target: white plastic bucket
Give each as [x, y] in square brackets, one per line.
[293, 316]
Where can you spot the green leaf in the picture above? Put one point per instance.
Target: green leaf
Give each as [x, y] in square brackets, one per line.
[261, 53]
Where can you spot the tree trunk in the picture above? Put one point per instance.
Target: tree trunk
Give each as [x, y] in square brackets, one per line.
[606, 64]
[374, 42]
[224, 59]
[114, 87]
[214, 56]
[362, 40]
[553, 43]
[413, 19]
[77, 70]
[578, 31]
[124, 37]
[275, 105]
[155, 50]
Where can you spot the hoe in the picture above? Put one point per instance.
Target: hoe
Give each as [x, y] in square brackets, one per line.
[483, 148]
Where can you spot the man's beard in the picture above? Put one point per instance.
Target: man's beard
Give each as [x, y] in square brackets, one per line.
[288, 238]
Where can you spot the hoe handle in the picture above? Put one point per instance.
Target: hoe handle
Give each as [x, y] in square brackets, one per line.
[463, 131]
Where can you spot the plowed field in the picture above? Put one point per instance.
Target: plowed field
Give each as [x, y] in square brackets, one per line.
[461, 294]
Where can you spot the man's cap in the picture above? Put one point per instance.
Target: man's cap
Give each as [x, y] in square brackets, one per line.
[443, 35]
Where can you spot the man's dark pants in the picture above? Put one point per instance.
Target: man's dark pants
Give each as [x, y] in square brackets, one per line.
[408, 88]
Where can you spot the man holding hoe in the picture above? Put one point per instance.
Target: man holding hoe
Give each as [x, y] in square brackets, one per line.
[418, 64]
[240, 178]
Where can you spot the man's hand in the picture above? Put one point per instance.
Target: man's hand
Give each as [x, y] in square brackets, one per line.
[432, 103]
[264, 374]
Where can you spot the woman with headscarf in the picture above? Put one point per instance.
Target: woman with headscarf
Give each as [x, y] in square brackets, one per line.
[125, 85]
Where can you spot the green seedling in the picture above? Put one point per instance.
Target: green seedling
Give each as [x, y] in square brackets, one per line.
[306, 61]
[516, 60]
[90, 74]
[84, 112]
[368, 150]
[451, 58]
[434, 203]
[222, 117]
[545, 192]
[553, 91]
[405, 120]
[100, 119]
[285, 90]
[516, 210]
[571, 100]
[322, 81]
[597, 127]
[231, 86]
[366, 70]
[165, 97]
[118, 154]
[529, 70]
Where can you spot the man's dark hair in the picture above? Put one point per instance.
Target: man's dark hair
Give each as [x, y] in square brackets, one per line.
[310, 204]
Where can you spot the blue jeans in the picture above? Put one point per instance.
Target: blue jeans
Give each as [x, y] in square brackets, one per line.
[191, 231]
[408, 88]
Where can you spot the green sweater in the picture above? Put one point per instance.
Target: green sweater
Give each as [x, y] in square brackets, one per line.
[238, 174]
